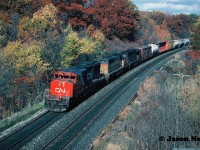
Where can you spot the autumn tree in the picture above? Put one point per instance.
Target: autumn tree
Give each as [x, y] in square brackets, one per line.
[45, 26]
[98, 38]
[43, 21]
[22, 7]
[157, 16]
[25, 58]
[116, 18]
[22, 75]
[148, 30]
[75, 12]
[180, 25]
[10, 21]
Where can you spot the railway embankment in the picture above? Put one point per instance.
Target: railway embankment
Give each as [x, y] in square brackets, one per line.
[20, 118]
[165, 114]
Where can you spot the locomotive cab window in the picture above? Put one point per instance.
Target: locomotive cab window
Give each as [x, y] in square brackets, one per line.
[66, 77]
[72, 77]
[58, 77]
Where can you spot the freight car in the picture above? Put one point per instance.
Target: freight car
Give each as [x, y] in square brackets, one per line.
[174, 44]
[165, 46]
[177, 43]
[72, 83]
[146, 53]
[154, 49]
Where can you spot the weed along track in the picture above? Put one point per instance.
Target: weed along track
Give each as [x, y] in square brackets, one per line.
[28, 131]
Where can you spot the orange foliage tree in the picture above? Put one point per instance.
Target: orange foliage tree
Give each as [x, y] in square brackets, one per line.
[22, 7]
[179, 24]
[75, 12]
[116, 18]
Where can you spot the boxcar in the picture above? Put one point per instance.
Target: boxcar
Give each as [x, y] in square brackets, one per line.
[165, 46]
[146, 52]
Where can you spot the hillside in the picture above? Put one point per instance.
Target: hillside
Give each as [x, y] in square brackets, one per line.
[167, 105]
[48, 35]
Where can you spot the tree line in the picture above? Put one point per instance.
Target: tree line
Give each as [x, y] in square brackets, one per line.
[38, 37]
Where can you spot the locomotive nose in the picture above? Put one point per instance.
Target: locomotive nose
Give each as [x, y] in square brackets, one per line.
[60, 88]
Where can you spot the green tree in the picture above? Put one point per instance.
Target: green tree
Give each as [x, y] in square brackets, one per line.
[70, 52]
[25, 58]
[79, 49]
[3, 34]
[196, 36]
[98, 37]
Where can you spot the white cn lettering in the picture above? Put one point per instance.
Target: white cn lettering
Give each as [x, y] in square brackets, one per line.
[59, 90]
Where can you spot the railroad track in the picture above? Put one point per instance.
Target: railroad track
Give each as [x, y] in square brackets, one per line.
[16, 139]
[66, 137]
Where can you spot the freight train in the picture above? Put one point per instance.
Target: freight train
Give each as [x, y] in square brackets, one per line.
[77, 81]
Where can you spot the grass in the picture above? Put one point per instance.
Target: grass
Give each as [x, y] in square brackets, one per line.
[20, 116]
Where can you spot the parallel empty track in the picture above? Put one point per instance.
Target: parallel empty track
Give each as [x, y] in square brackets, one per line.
[65, 137]
[29, 130]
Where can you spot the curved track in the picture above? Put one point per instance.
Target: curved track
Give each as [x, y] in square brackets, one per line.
[66, 137]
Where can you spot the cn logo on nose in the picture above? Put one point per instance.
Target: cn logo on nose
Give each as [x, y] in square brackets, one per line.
[60, 90]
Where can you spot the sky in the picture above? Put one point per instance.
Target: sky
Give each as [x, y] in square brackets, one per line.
[169, 6]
